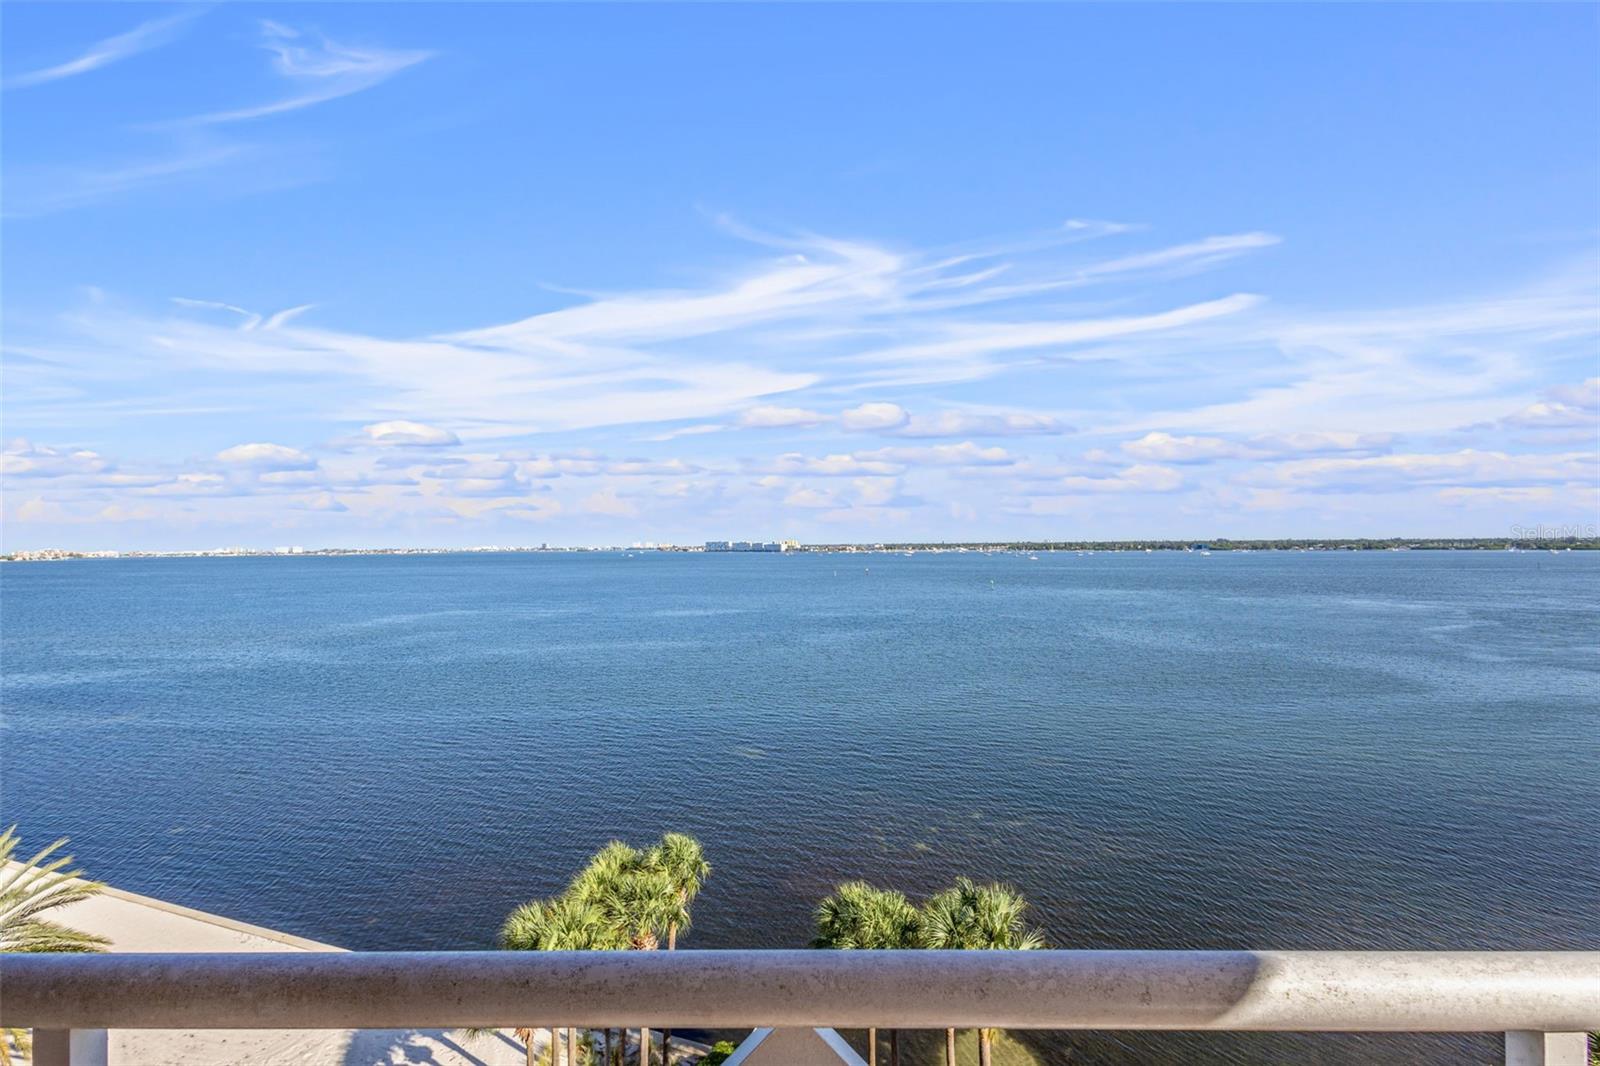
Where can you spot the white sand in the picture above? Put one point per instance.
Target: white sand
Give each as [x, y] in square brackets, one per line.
[135, 923]
[139, 923]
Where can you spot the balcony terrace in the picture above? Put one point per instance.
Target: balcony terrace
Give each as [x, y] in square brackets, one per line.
[185, 987]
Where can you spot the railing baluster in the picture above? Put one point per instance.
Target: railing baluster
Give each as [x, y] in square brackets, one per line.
[52, 1047]
[1525, 1047]
[71, 1047]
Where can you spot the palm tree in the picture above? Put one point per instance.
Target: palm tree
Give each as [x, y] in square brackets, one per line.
[579, 927]
[595, 883]
[562, 924]
[858, 916]
[638, 901]
[524, 930]
[683, 860]
[27, 892]
[977, 917]
[605, 866]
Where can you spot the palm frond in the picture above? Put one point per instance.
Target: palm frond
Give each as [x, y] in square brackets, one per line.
[684, 861]
[524, 927]
[21, 1039]
[31, 888]
[858, 915]
[970, 917]
[37, 934]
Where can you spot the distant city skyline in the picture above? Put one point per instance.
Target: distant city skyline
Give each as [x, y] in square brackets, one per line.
[349, 275]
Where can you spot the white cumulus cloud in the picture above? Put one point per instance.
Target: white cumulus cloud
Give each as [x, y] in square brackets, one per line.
[1167, 448]
[967, 453]
[874, 416]
[980, 424]
[1140, 477]
[414, 434]
[266, 457]
[832, 465]
[771, 416]
[22, 458]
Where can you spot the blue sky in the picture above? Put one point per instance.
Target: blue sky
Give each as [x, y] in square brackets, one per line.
[414, 274]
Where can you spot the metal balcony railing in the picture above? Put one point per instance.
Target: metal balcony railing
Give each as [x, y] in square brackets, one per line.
[1543, 1001]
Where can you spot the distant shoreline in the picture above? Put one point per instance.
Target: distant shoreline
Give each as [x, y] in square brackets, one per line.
[1536, 544]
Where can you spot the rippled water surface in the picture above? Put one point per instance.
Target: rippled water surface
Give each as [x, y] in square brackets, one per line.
[1290, 750]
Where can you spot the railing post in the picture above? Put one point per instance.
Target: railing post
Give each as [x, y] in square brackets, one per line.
[1525, 1047]
[52, 1047]
[71, 1047]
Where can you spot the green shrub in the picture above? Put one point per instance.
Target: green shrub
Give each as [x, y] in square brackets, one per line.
[720, 1051]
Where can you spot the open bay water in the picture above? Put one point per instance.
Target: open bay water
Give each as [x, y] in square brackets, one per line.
[1384, 750]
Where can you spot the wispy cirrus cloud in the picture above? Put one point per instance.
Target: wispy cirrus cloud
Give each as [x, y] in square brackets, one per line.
[976, 344]
[321, 70]
[41, 191]
[193, 150]
[250, 319]
[1195, 255]
[1428, 369]
[818, 316]
[103, 53]
[747, 400]
[1468, 468]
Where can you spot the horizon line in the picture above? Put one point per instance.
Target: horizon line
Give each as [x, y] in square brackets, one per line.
[1587, 538]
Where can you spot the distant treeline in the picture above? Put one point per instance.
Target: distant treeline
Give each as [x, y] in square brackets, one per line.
[1535, 543]
[1224, 544]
